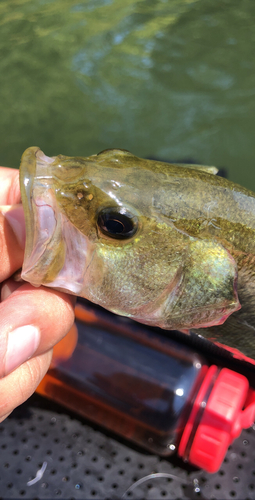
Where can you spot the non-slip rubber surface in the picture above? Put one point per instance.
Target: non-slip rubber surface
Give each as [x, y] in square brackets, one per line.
[83, 462]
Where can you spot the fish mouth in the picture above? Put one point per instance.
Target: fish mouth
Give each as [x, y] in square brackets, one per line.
[56, 252]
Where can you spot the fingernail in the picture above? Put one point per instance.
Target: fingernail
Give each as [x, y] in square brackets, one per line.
[15, 217]
[22, 344]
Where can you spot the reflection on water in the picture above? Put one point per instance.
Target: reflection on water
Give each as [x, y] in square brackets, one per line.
[172, 80]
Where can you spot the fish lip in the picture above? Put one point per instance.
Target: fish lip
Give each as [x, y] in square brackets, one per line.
[46, 225]
[48, 231]
[41, 156]
[27, 174]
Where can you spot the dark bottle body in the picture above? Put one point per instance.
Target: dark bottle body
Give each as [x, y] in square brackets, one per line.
[128, 379]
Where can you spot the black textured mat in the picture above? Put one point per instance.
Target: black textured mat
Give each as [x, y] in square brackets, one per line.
[83, 462]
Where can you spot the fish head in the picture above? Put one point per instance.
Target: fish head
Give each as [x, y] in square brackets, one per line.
[96, 227]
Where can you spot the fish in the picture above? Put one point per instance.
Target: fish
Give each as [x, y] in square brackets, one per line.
[168, 245]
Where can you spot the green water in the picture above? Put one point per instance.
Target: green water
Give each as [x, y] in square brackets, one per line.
[172, 79]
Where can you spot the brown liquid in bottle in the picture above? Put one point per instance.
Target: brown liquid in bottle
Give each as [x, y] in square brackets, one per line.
[126, 378]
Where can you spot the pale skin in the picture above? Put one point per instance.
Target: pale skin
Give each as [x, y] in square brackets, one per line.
[42, 316]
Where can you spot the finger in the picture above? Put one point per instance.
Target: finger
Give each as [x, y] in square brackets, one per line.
[10, 190]
[32, 321]
[18, 386]
[8, 287]
[12, 240]
[3, 417]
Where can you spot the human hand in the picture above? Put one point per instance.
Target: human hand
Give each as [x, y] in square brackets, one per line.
[32, 320]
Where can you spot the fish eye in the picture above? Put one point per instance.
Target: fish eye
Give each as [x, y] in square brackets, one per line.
[117, 223]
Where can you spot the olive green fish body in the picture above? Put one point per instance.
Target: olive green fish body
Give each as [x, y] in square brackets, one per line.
[168, 245]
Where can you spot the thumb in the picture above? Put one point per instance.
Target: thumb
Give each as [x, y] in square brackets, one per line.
[32, 321]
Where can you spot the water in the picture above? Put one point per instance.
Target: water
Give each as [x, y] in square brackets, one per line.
[170, 79]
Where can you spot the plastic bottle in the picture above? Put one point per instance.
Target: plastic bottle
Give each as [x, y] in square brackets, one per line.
[148, 388]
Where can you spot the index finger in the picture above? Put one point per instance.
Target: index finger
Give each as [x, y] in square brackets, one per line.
[9, 186]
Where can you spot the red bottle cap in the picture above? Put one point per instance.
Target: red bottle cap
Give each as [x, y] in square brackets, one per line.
[217, 418]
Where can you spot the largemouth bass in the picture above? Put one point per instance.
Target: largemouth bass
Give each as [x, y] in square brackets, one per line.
[165, 244]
